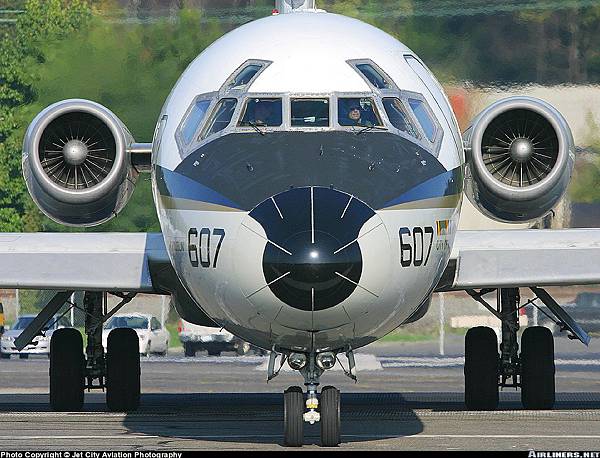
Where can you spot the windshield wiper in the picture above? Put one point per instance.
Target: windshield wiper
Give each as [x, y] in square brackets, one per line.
[368, 128]
[256, 128]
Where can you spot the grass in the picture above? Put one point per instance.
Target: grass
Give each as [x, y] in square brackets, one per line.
[409, 335]
[174, 341]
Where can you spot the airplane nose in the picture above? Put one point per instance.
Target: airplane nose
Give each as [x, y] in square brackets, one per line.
[312, 259]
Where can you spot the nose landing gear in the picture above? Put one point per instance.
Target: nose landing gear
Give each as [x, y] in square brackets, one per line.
[323, 409]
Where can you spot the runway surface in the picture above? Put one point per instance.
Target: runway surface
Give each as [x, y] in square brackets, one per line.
[407, 398]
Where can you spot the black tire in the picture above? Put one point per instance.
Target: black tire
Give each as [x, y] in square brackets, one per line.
[330, 417]
[67, 370]
[189, 349]
[23, 356]
[122, 370]
[481, 369]
[537, 368]
[5, 355]
[293, 421]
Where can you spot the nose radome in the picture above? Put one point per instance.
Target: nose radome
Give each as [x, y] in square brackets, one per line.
[318, 229]
[311, 249]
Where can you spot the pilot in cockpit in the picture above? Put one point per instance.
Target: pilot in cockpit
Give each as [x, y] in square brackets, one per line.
[262, 112]
[356, 115]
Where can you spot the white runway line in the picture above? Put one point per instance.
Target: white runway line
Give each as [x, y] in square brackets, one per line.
[364, 361]
[473, 436]
[415, 361]
[271, 436]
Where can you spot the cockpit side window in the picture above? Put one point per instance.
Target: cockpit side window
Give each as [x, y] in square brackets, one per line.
[265, 112]
[245, 75]
[221, 117]
[310, 112]
[422, 114]
[373, 75]
[398, 116]
[358, 111]
[194, 119]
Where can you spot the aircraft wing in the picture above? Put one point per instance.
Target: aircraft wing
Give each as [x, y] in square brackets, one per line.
[522, 258]
[80, 261]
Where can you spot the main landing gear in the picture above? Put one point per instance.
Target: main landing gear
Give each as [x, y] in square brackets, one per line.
[486, 369]
[117, 371]
[311, 408]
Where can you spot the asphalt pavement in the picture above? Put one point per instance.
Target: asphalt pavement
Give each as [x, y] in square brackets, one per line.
[408, 397]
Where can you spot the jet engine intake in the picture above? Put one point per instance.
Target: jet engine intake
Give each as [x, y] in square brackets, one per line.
[520, 156]
[76, 163]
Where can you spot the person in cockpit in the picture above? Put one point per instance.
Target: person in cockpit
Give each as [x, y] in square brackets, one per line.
[263, 114]
[355, 115]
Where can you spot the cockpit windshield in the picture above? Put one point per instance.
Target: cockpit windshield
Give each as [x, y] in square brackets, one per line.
[358, 111]
[194, 120]
[310, 112]
[265, 112]
[221, 117]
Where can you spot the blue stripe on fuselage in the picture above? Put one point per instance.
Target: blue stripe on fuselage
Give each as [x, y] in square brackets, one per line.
[445, 184]
[173, 184]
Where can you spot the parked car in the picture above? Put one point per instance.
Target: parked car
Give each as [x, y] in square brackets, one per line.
[197, 338]
[40, 344]
[154, 338]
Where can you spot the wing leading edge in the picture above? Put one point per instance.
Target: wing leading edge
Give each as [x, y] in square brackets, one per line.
[80, 261]
[522, 258]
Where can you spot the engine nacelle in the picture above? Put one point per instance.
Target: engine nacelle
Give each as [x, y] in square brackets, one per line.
[520, 156]
[76, 163]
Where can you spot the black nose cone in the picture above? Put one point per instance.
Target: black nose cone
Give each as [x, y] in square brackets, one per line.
[313, 260]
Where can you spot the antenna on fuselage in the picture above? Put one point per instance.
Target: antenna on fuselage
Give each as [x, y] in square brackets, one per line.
[292, 6]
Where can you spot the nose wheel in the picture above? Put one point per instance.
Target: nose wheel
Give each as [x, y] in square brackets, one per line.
[330, 417]
[293, 422]
[326, 411]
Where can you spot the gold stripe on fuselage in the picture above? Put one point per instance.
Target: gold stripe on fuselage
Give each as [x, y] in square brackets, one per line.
[436, 202]
[176, 203]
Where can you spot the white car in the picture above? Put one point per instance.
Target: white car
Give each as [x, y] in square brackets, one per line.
[40, 344]
[154, 338]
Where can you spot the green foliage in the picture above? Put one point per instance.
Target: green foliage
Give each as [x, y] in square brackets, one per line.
[128, 68]
[585, 185]
[62, 49]
[45, 22]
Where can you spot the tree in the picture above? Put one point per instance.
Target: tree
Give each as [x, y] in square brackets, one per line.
[20, 50]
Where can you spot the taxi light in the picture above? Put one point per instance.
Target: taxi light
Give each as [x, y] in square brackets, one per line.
[326, 360]
[297, 361]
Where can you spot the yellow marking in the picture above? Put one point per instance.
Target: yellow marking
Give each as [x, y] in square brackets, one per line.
[176, 203]
[436, 202]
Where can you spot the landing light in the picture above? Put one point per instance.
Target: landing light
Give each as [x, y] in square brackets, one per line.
[326, 360]
[314, 254]
[297, 361]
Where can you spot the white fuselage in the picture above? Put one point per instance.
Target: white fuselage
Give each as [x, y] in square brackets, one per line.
[310, 231]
